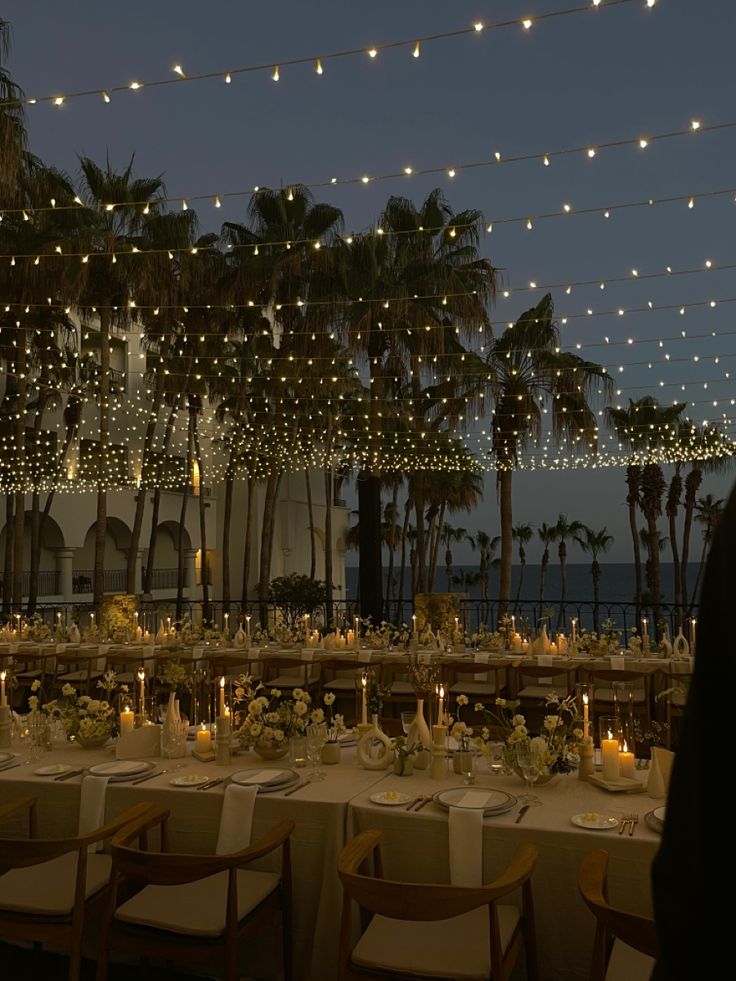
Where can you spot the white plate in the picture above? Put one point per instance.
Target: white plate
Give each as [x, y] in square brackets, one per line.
[189, 780]
[277, 780]
[6, 758]
[121, 769]
[595, 822]
[52, 769]
[659, 812]
[390, 798]
[496, 801]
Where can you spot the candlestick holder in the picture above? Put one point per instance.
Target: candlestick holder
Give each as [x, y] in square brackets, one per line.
[223, 742]
[6, 721]
[585, 767]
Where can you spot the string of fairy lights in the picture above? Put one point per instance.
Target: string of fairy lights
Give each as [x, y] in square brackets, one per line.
[298, 409]
[588, 151]
[319, 60]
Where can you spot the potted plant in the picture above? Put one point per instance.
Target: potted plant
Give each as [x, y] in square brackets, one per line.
[404, 755]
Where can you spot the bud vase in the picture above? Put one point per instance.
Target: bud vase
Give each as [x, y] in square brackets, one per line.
[419, 733]
[385, 755]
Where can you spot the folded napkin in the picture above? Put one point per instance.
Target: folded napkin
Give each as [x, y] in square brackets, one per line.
[307, 654]
[262, 776]
[465, 829]
[660, 772]
[236, 819]
[618, 662]
[480, 658]
[92, 807]
[545, 660]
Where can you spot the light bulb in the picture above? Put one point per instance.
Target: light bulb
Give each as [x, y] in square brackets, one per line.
[591, 152]
[691, 203]
[217, 203]
[643, 144]
[545, 161]
[372, 52]
[179, 71]
[695, 124]
[105, 97]
[415, 52]
[59, 100]
[228, 78]
[478, 26]
[451, 172]
[318, 67]
[526, 23]
[276, 76]
[135, 86]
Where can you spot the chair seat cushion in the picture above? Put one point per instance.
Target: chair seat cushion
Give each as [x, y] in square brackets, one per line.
[606, 695]
[47, 889]
[454, 948]
[340, 684]
[196, 908]
[289, 681]
[627, 964]
[542, 692]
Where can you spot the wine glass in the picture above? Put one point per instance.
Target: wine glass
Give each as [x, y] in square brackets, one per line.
[316, 738]
[406, 721]
[528, 762]
[496, 757]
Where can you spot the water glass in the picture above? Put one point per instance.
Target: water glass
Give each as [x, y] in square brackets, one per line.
[528, 762]
[466, 762]
[316, 738]
[174, 740]
[496, 757]
[298, 751]
[407, 718]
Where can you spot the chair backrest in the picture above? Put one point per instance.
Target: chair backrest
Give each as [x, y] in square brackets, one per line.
[611, 923]
[423, 902]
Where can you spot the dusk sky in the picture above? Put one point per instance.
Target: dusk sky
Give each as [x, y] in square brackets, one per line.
[576, 81]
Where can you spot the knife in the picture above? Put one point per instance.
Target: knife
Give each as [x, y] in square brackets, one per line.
[294, 789]
[522, 811]
[67, 776]
[9, 766]
[420, 806]
[148, 776]
[212, 783]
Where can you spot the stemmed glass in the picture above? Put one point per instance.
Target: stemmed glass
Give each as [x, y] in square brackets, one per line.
[406, 721]
[529, 765]
[316, 738]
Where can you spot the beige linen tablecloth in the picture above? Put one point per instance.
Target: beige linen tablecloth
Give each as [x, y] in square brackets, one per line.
[319, 810]
[416, 848]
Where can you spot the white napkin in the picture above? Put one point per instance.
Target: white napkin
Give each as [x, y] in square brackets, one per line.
[92, 807]
[545, 660]
[465, 829]
[261, 776]
[660, 772]
[236, 819]
[364, 657]
[618, 662]
[307, 654]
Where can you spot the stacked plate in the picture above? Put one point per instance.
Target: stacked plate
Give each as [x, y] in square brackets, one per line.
[268, 780]
[492, 801]
[655, 819]
[120, 770]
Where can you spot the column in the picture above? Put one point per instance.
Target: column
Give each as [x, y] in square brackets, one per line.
[64, 569]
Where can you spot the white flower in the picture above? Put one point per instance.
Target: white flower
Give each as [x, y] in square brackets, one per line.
[68, 690]
[518, 720]
[272, 718]
[317, 716]
[299, 695]
[255, 707]
[551, 722]
[480, 707]
[255, 729]
[501, 702]
[36, 685]
[275, 693]
[33, 702]
[300, 708]
[462, 700]
[329, 698]
[278, 736]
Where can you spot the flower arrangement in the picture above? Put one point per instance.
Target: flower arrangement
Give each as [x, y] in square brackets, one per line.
[375, 693]
[404, 755]
[38, 630]
[88, 720]
[174, 675]
[385, 636]
[336, 722]
[271, 719]
[424, 676]
[461, 732]
[558, 744]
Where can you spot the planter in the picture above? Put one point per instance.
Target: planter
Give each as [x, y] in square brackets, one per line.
[331, 753]
[271, 752]
[403, 765]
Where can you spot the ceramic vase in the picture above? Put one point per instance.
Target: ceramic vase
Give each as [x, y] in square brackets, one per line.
[367, 757]
[331, 753]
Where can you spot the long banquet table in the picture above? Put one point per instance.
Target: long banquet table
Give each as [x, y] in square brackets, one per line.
[328, 813]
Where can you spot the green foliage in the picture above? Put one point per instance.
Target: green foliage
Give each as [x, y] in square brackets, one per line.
[295, 595]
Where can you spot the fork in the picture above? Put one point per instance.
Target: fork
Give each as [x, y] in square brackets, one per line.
[424, 800]
[623, 822]
[633, 821]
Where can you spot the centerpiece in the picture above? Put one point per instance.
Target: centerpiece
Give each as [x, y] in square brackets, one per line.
[556, 747]
[335, 728]
[269, 719]
[87, 721]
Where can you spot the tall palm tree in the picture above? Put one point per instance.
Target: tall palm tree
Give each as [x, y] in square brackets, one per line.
[12, 124]
[449, 492]
[672, 507]
[565, 531]
[647, 427]
[104, 285]
[709, 511]
[522, 535]
[595, 543]
[486, 546]
[546, 535]
[526, 365]
[451, 536]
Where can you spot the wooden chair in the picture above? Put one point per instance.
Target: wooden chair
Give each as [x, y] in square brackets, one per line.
[603, 679]
[678, 686]
[537, 682]
[34, 664]
[48, 886]
[477, 680]
[438, 931]
[79, 667]
[288, 673]
[625, 944]
[190, 909]
[394, 672]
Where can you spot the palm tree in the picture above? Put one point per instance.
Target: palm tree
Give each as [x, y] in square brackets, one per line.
[546, 535]
[709, 511]
[595, 543]
[522, 534]
[485, 546]
[12, 124]
[565, 531]
[104, 285]
[525, 365]
[645, 427]
[672, 507]
[648, 597]
[451, 536]
[449, 492]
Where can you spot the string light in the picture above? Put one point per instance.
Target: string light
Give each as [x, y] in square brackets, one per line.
[180, 76]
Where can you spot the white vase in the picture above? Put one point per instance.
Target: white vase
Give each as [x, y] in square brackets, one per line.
[680, 648]
[385, 755]
[239, 639]
[74, 636]
[172, 743]
[419, 733]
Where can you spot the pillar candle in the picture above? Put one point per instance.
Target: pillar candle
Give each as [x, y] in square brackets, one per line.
[221, 702]
[609, 757]
[414, 624]
[127, 721]
[626, 763]
[574, 630]
[693, 623]
[203, 740]
[645, 627]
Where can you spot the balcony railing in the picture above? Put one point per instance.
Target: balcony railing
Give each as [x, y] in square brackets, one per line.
[113, 581]
[165, 578]
[48, 583]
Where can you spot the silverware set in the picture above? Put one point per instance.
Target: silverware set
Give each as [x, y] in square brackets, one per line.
[69, 774]
[630, 821]
[148, 776]
[212, 783]
[419, 802]
[9, 766]
[293, 790]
